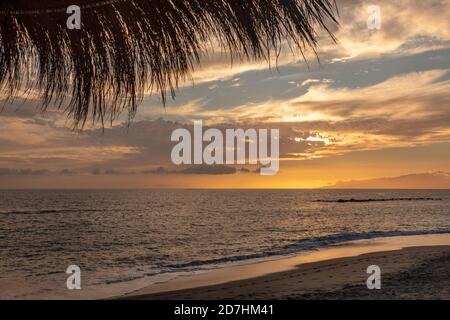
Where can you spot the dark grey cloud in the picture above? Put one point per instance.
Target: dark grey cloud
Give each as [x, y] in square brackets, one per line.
[197, 169]
[23, 172]
[209, 170]
[66, 172]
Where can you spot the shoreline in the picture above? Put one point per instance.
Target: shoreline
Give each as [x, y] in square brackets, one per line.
[256, 273]
[326, 270]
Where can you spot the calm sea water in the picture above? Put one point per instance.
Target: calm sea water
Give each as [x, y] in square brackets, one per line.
[119, 236]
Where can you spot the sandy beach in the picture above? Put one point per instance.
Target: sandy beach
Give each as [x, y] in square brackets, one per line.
[409, 271]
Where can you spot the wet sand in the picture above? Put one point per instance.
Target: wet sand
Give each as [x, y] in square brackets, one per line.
[409, 271]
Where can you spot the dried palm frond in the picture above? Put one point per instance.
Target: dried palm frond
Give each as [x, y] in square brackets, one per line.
[126, 47]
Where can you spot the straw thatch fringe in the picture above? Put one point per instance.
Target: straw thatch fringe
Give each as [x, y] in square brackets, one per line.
[130, 46]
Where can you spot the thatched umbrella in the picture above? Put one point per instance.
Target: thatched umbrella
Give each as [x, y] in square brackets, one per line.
[126, 47]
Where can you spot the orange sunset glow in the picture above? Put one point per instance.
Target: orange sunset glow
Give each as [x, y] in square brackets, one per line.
[374, 111]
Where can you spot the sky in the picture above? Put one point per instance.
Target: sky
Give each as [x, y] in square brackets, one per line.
[376, 109]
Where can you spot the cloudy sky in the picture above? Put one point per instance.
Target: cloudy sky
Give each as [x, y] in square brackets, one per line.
[376, 106]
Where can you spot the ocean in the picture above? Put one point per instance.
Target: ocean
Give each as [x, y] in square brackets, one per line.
[119, 236]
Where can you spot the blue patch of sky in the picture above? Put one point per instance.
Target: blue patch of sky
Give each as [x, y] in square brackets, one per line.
[286, 82]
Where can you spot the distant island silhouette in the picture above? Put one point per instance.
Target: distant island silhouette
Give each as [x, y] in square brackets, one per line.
[427, 180]
[379, 200]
